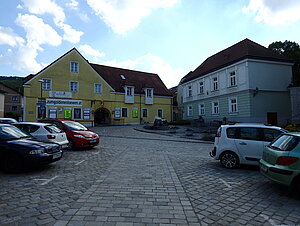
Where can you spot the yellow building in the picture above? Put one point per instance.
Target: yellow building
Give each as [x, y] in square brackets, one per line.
[73, 88]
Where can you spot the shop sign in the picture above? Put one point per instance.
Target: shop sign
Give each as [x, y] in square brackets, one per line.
[60, 94]
[63, 102]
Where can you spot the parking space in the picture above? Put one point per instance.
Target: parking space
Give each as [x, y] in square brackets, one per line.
[136, 178]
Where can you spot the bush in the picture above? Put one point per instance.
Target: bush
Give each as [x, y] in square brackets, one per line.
[291, 128]
[14, 115]
[208, 137]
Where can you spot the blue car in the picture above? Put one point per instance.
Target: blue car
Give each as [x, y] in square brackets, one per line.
[19, 150]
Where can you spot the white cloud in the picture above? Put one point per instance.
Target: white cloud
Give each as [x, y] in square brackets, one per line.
[23, 57]
[90, 51]
[50, 7]
[8, 37]
[37, 32]
[152, 64]
[274, 12]
[124, 15]
[73, 4]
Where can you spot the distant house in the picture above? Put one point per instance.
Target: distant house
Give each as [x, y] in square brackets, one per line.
[13, 102]
[245, 83]
[175, 108]
[73, 88]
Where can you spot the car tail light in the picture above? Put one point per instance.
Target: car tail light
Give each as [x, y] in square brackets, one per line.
[51, 136]
[286, 160]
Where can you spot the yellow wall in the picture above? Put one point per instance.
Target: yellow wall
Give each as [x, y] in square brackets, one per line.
[59, 73]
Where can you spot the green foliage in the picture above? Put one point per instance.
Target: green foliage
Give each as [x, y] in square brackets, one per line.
[15, 83]
[292, 51]
[15, 115]
[291, 128]
[208, 137]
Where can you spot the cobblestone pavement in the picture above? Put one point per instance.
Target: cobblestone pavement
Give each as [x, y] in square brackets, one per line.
[136, 178]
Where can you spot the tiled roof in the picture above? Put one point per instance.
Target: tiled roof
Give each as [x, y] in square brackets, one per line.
[245, 49]
[140, 80]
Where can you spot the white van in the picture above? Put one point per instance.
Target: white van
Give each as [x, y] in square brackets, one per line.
[242, 143]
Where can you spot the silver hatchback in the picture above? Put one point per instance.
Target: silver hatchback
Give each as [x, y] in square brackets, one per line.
[44, 132]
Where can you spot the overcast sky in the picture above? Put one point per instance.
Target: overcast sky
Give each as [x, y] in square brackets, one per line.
[167, 37]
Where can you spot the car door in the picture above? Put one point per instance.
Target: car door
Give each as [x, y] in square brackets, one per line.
[249, 143]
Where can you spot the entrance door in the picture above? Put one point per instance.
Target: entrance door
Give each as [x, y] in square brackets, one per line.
[102, 116]
[272, 118]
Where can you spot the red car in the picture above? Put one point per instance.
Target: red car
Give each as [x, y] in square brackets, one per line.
[78, 135]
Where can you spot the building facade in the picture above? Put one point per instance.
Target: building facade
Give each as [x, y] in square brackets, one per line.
[13, 102]
[243, 83]
[73, 88]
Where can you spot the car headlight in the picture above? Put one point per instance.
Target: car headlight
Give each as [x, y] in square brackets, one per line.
[37, 151]
[78, 136]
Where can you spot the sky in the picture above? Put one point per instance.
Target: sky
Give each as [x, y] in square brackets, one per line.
[166, 37]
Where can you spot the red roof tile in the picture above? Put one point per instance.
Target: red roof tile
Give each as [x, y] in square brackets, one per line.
[245, 49]
[138, 79]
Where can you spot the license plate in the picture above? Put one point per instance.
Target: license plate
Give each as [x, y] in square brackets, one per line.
[56, 155]
[93, 141]
[263, 168]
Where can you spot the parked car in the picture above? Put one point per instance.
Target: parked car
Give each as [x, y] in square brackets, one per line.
[8, 120]
[78, 135]
[19, 150]
[44, 132]
[280, 161]
[242, 143]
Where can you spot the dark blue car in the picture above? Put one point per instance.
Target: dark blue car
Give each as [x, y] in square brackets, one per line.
[19, 150]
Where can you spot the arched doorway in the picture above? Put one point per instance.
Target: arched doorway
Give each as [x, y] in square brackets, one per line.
[102, 116]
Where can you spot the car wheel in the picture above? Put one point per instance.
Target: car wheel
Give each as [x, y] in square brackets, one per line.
[70, 145]
[229, 160]
[12, 163]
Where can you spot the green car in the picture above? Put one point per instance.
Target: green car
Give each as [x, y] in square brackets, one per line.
[280, 162]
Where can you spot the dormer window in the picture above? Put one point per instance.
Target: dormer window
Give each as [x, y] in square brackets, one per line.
[148, 96]
[74, 67]
[129, 91]
[129, 94]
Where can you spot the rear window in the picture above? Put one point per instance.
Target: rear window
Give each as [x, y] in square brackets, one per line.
[28, 128]
[285, 143]
[271, 134]
[52, 129]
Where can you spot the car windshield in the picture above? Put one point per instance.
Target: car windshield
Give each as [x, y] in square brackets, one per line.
[11, 132]
[285, 143]
[75, 126]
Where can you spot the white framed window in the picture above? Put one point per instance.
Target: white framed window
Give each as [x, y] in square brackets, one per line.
[74, 67]
[232, 79]
[129, 91]
[190, 111]
[190, 91]
[215, 107]
[233, 106]
[98, 88]
[73, 86]
[149, 93]
[201, 87]
[124, 112]
[160, 113]
[201, 109]
[145, 113]
[215, 84]
[46, 84]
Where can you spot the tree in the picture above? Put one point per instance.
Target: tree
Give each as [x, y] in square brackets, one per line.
[292, 51]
